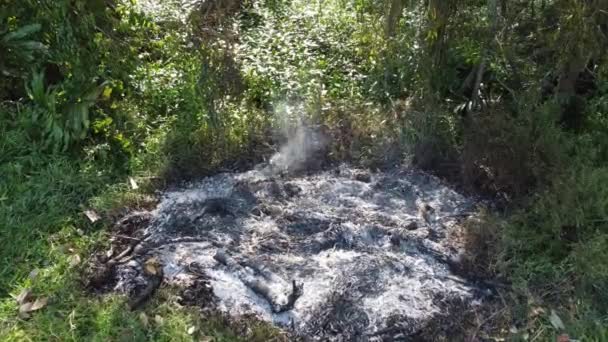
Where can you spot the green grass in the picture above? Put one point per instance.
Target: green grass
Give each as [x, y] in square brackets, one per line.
[178, 110]
[43, 193]
[43, 226]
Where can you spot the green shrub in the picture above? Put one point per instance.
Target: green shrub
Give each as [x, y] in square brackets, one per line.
[562, 233]
[61, 56]
[20, 50]
[57, 117]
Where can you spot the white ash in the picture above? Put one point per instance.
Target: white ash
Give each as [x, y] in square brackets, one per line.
[351, 245]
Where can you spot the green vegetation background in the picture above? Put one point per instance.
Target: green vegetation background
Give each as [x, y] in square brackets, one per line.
[504, 98]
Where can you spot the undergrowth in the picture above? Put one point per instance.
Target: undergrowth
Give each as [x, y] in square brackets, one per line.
[95, 92]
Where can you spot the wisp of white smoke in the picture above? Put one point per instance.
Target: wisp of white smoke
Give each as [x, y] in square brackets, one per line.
[303, 140]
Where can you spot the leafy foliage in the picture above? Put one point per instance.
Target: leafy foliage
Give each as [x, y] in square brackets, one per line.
[507, 98]
[59, 121]
[20, 50]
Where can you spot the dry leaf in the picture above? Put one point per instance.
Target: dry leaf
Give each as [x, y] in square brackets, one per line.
[25, 309]
[150, 269]
[536, 311]
[71, 318]
[556, 321]
[110, 252]
[74, 260]
[34, 273]
[143, 318]
[39, 303]
[92, 216]
[158, 320]
[192, 330]
[151, 266]
[563, 338]
[24, 296]
[206, 339]
[134, 185]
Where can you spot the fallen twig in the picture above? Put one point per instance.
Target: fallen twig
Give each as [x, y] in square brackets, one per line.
[124, 237]
[258, 286]
[117, 259]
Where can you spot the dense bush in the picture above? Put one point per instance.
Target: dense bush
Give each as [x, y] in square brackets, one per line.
[71, 61]
[504, 98]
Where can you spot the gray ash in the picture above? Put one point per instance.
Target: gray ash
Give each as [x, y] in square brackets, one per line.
[335, 255]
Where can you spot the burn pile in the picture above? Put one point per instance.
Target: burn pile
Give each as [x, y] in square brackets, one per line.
[337, 255]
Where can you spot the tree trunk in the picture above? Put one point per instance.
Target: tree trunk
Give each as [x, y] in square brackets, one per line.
[392, 19]
[438, 13]
[570, 105]
[493, 13]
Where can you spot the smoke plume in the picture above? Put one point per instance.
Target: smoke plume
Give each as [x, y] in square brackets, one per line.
[304, 142]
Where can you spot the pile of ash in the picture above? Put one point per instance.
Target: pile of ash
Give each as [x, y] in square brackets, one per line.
[342, 254]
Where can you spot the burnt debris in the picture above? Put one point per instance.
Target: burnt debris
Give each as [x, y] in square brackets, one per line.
[335, 255]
